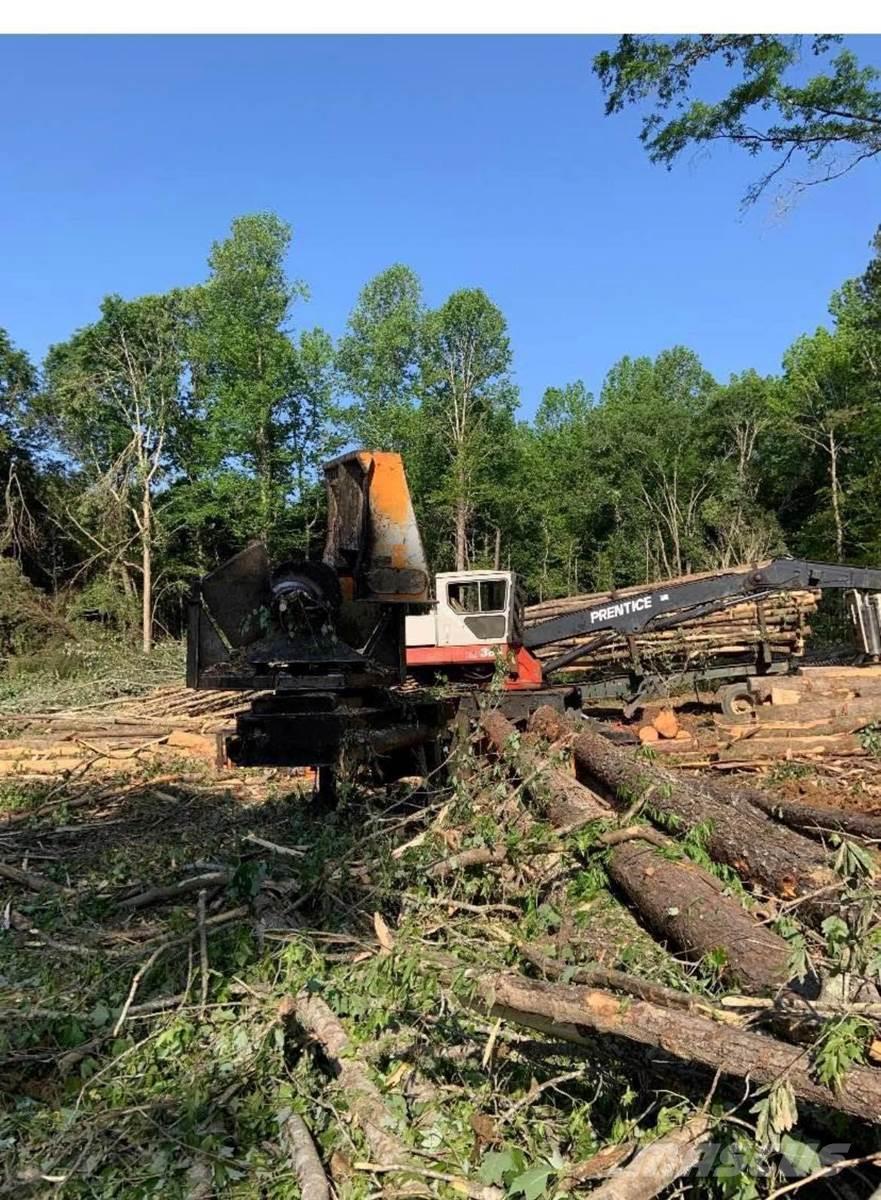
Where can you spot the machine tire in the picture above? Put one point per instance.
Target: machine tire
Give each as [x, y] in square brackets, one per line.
[737, 701]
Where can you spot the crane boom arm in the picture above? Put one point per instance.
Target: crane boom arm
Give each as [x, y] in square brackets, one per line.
[669, 604]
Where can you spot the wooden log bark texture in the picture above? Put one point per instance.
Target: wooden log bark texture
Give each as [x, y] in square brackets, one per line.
[677, 899]
[576, 1014]
[773, 857]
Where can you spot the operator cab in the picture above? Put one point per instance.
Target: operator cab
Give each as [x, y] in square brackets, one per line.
[475, 626]
[472, 608]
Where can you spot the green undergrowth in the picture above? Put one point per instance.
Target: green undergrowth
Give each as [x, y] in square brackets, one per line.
[92, 668]
[187, 1099]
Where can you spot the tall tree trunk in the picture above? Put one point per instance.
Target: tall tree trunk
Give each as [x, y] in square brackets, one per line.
[147, 569]
[265, 485]
[125, 579]
[836, 497]
[462, 507]
[461, 532]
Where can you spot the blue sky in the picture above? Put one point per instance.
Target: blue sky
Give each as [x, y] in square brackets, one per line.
[478, 161]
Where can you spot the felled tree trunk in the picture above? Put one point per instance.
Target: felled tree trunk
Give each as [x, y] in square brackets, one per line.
[776, 858]
[677, 899]
[297, 1143]
[621, 981]
[833, 715]
[565, 800]
[364, 1098]
[577, 1013]
[779, 749]
[659, 1164]
[813, 819]
[686, 905]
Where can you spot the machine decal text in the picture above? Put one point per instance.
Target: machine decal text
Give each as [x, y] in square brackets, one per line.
[622, 608]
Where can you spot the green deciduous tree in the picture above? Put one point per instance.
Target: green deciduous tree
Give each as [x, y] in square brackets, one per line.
[559, 502]
[266, 397]
[468, 401]
[739, 428]
[830, 120]
[18, 385]
[822, 403]
[115, 401]
[653, 435]
[379, 357]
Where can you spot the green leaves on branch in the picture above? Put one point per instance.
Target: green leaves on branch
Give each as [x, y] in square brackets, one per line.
[265, 396]
[773, 110]
[434, 385]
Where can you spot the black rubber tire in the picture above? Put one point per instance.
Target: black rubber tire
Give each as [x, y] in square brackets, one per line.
[737, 701]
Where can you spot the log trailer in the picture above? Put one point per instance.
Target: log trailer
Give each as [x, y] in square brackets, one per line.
[329, 645]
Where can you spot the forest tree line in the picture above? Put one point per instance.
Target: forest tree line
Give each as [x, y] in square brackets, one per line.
[161, 438]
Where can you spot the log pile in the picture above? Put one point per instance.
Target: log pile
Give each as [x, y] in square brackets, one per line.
[820, 712]
[774, 858]
[781, 619]
[661, 730]
[679, 900]
[172, 720]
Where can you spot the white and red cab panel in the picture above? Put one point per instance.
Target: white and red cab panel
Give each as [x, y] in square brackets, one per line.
[477, 616]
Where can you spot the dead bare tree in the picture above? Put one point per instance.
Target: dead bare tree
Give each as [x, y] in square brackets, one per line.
[675, 511]
[18, 529]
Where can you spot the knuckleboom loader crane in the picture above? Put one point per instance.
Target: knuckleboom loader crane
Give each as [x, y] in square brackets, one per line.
[478, 619]
[329, 644]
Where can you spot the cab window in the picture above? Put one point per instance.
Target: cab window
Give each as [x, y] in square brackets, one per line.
[492, 595]
[473, 597]
[464, 597]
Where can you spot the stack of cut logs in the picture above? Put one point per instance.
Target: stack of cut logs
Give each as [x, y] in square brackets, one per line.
[662, 730]
[817, 711]
[730, 632]
[820, 710]
[117, 732]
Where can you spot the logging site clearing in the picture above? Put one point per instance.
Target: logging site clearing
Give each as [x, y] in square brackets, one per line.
[432, 766]
[578, 957]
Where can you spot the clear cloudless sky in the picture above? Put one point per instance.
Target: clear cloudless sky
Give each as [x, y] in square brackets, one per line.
[478, 161]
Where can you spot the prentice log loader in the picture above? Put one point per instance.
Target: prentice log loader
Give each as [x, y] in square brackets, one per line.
[479, 615]
[330, 644]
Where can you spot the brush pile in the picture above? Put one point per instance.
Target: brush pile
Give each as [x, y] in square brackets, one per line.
[780, 620]
[555, 967]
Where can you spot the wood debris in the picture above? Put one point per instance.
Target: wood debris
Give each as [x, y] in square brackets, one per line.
[540, 929]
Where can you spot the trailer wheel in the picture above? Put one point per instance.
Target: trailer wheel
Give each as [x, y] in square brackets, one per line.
[737, 701]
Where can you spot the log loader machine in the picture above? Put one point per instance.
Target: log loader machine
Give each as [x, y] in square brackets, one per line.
[323, 642]
[329, 645]
[477, 619]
